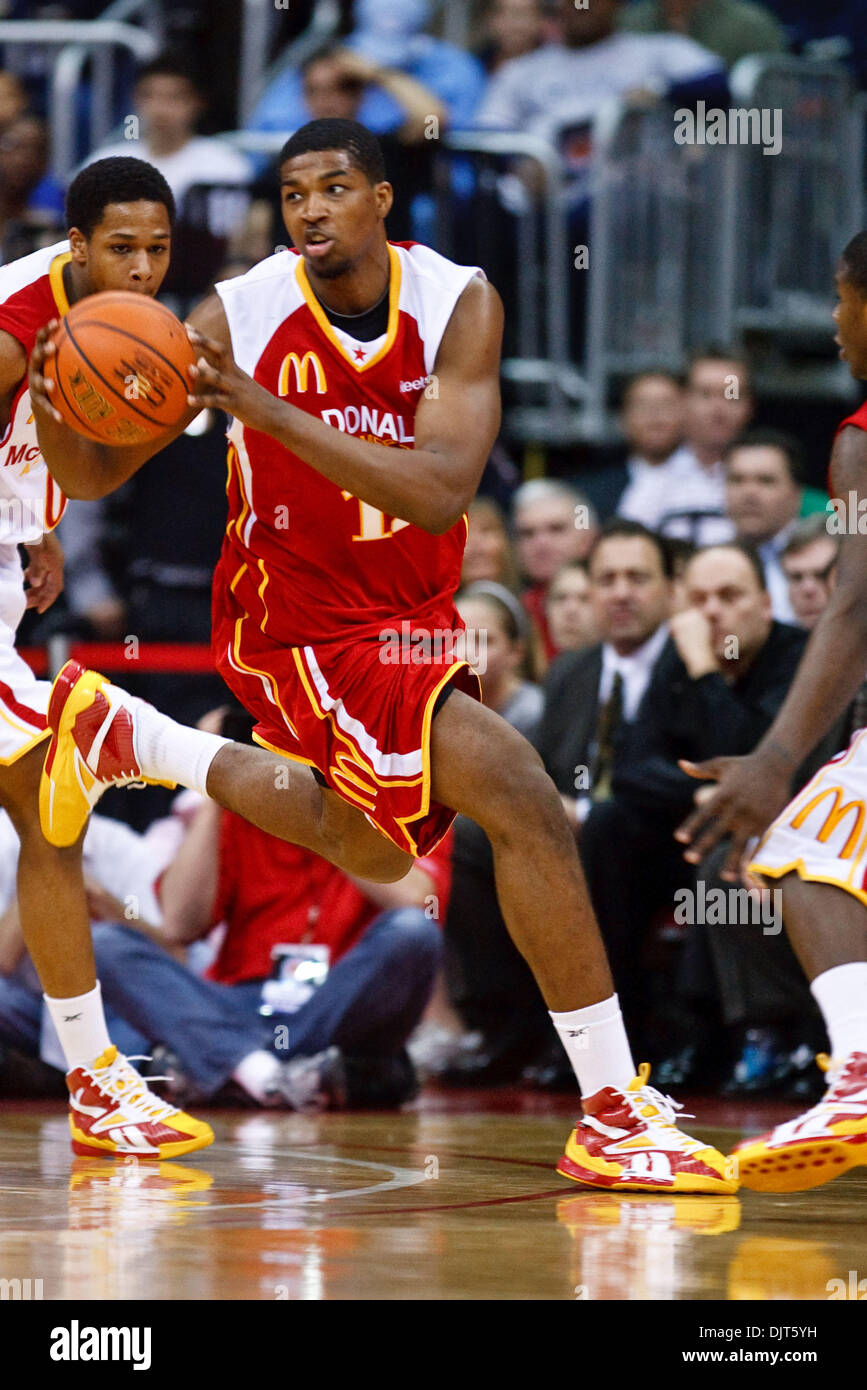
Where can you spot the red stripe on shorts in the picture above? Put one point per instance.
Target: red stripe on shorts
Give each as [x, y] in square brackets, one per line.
[29, 716]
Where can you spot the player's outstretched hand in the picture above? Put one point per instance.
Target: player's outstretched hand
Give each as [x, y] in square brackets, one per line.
[218, 382]
[44, 572]
[751, 792]
[38, 387]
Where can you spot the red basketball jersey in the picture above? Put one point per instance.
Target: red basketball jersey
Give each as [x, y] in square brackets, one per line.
[308, 561]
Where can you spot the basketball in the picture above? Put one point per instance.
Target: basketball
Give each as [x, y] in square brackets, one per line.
[121, 368]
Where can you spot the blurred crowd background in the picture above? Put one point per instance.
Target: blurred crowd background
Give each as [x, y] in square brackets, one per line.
[647, 554]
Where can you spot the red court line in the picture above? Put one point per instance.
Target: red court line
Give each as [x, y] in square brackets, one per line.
[459, 1206]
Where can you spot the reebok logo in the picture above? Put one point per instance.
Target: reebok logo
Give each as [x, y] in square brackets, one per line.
[70, 1018]
[76, 1343]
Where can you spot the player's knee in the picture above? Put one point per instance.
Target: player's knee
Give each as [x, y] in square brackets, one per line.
[381, 863]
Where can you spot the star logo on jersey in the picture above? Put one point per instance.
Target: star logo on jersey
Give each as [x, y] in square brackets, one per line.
[360, 354]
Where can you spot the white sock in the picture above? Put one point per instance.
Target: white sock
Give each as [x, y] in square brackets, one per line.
[172, 752]
[841, 994]
[597, 1046]
[255, 1072]
[81, 1027]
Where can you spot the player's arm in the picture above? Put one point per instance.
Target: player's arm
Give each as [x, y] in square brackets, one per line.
[454, 428]
[753, 790]
[81, 467]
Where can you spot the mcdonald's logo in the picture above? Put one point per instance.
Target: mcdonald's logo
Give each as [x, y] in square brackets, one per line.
[834, 817]
[302, 372]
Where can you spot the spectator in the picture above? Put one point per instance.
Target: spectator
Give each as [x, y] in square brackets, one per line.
[564, 84]
[569, 608]
[715, 689]
[591, 693]
[169, 102]
[719, 405]
[730, 28]
[808, 561]
[31, 201]
[765, 472]
[553, 523]
[335, 80]
[652, 419]
[13, 99]
[497, 638]
[512, 28]
[389, 36]
[488, 552]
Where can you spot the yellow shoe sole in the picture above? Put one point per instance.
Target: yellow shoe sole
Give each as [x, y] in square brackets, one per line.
[800, 1165]
[85, 1146]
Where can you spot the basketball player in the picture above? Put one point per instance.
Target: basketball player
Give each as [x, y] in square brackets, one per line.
[815, 852]
[120, 214]
[335, 542]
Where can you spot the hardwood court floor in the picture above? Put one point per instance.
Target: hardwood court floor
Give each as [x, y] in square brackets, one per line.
[455, 1198]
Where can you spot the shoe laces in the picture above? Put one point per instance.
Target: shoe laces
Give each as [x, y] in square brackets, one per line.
[665, 1112]
[123, 1083]
[840, 1073]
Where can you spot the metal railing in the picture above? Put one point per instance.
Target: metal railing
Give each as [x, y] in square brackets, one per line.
[256, 31]
[78, 39]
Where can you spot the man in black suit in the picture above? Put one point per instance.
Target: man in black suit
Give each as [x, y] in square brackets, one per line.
[717, 685]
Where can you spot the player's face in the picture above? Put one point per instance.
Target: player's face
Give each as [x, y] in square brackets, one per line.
[850, 316]
[631, 595]
[723, 586]
[332, 213]
[127, 250]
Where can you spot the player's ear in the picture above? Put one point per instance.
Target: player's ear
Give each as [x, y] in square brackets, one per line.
[78, 245]
[384, 194]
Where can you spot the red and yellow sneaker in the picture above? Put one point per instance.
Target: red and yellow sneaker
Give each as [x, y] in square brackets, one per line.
[820, 1144]
[627, 1141]
[112, 1112]
[93, 746]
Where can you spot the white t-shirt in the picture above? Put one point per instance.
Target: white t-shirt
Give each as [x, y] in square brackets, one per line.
[203, 159]
[556, 86]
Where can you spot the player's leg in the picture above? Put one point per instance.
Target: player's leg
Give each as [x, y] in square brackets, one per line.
[828, 931]
[482, 768]
[104, 736]
[56, 927]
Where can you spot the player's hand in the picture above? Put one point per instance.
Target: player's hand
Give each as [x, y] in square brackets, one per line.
[219, 384]
[750, 793]
[39, 388]
[44, 573]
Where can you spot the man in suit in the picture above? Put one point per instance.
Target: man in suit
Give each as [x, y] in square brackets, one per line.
[717, 684]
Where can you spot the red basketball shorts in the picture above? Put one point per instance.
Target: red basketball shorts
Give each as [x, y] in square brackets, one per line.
[358, 711]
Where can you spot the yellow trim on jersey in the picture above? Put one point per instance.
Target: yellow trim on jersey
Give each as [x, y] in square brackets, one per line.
[322, 320]
[283, 752]
[261, 591]
[251, 670]
[55, 279]
[808, 876]
[37, 738]
[425, 752]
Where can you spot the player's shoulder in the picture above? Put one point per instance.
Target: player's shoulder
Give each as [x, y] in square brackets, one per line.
[850, 440]
[24, 273]
[423, 263]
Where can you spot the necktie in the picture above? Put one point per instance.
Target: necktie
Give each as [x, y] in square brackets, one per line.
[610, 717]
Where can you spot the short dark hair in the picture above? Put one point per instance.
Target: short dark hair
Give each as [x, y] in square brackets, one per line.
[787, 444]
[744, 548]
[806, 532]
[718, 352]
[119, 179]
[172, 64]
[626, 386]
[620, 528]
[853, 263]
[334, 133]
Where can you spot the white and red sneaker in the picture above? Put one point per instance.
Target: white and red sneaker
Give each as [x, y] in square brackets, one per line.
[628, 1141]
[93, 746]
[820, 1144]
[113, 1112]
